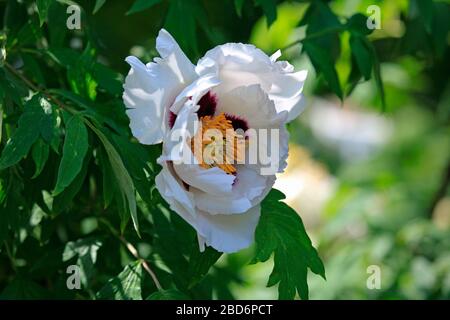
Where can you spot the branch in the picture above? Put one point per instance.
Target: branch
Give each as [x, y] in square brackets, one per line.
[34, 87]
[132, 249]
[316, 35]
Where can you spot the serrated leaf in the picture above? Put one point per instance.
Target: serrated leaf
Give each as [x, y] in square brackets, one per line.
[86, 252]
[39, 153]
[170, 294]
[98, 5]
[43, 6]
[125, 286]
[74, 150]
[35, 121]
[141, 5]
[281, 231]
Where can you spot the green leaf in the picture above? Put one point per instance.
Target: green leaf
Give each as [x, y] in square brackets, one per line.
[108, 79]
[270, 10]
[322, 62]
[141, 5]
[170, 294]
[98, 5]
[43, 6]
[125, 183]
[36, 120]
[39, 153]
[61, 201]
[86, 252]
[358, 24]
[200, 263]
[376, 72]
[125, 286]
[80, 74]
[362, 55]
[323, 45]
[74, 151]
[281, 231]
[181, 22]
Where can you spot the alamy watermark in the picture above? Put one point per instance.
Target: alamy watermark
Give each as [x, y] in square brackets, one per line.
[374, 280]
[73, 281]
[73, 21]
[374, 19]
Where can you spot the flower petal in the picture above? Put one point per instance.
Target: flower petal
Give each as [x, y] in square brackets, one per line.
[286, 92]
[150, 89]
[167, 46]
[252, 104]
[173, 192]
[228, 233]
[248, 186]
[212, 181]
[240, 64]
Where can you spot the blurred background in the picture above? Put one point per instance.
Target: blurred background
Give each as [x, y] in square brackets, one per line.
[371, 183]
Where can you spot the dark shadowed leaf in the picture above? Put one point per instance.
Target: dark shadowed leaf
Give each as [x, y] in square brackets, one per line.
[36, 120]
[39, 153]
[74, 151]
[323, 63]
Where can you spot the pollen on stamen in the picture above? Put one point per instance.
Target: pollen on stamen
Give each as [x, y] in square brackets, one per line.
[227, 157]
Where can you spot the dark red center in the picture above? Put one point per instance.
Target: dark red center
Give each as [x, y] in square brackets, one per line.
[208, 105]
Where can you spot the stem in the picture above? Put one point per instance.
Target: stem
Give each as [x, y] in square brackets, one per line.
[316, 35]
[34, 87]
[134, 252]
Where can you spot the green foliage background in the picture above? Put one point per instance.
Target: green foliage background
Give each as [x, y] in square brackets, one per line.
[76, 188]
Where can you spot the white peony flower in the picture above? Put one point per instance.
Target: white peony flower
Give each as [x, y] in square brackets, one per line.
[235, 88]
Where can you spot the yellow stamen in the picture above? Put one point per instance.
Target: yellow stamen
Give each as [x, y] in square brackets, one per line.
[212, 152]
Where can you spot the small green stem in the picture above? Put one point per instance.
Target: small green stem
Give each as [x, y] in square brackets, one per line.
[316, 35]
